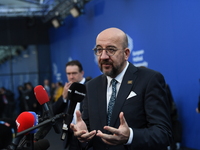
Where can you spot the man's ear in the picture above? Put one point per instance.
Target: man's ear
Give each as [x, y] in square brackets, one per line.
[127, 53]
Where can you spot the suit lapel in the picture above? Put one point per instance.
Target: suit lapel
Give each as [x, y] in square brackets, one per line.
[125, 89]
[102, 100]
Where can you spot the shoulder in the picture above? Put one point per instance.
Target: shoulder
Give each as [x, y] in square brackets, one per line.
[144, 73]
[96, 80]
[147, 70]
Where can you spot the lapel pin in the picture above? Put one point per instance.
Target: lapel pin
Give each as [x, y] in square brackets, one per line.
[130, 82]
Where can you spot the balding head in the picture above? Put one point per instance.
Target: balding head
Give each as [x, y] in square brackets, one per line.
[115, 34]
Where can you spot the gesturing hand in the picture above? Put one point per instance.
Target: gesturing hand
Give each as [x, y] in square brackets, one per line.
[119, 136]
[65, 90]
[80, 129]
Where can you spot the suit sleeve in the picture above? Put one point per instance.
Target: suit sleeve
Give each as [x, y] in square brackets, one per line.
[59, 106]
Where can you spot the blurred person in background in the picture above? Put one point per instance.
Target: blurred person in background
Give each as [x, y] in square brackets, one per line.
[47, 87]
[21, 99]
[58, 91]
[52, 92]
[30, 99]
[9, 102]
[74, 73]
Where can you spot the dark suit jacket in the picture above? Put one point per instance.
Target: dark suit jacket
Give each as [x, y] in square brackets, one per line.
[147, 113]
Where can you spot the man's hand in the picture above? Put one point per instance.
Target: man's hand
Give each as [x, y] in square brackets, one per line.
[119, 136]
[65, 90]
[80, 129]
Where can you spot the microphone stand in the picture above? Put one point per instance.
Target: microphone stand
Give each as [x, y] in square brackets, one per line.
[27, 143]
[51, 120]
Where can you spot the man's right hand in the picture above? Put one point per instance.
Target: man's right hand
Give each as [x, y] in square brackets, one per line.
[80, 129]
[65, 90]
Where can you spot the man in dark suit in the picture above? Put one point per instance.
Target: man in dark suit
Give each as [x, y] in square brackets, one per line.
[140, 118]
[75, 73]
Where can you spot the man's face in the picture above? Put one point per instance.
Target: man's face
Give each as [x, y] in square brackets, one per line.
[111, 65]
[73, 74]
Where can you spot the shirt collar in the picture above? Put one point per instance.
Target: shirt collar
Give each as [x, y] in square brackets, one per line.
[82, 81]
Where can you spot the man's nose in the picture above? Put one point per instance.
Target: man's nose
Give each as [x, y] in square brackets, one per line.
[104, 55]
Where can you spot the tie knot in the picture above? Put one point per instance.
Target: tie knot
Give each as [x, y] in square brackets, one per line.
[113, 82]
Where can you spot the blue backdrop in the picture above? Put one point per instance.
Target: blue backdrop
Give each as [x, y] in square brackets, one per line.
[163, 35]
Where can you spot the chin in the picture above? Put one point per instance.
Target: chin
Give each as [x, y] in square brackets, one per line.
[108, 73]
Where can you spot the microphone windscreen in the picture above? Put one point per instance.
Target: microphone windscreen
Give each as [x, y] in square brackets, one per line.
[41, 94]
[35, 121]
[41, 144]
[76, 92]
[24, 121]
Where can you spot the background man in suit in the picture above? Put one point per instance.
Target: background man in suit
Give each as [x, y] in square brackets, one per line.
[140, 118]
[74, 73]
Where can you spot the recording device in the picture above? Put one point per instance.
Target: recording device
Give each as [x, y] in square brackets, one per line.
[24, 121]
[76, 93]
[43, 99]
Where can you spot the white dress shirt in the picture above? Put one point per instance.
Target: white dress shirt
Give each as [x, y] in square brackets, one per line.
[119, 79]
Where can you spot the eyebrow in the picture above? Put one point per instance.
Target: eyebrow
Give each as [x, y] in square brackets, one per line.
[107, 46]
[71, 72]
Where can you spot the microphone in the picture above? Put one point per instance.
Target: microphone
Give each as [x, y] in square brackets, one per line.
[43, 98]
[76, 93]
[24, 121]
[41, 144]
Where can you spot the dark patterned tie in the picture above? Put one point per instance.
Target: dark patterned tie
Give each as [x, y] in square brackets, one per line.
[112, 100]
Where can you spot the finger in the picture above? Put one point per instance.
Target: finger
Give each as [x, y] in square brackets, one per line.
[78, 116]
[86, 136]
[111, 129]
[103, 135]
[106, 138]
[72, 126]
[89, 135]
[122, 119]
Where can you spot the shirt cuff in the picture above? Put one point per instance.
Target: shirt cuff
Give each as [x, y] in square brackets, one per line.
[130, 137]
[64, 100]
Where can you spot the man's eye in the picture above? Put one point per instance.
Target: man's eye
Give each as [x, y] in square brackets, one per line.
[111, 49]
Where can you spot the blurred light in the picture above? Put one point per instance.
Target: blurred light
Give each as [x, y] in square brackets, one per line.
[75, 12]
[55, 23]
